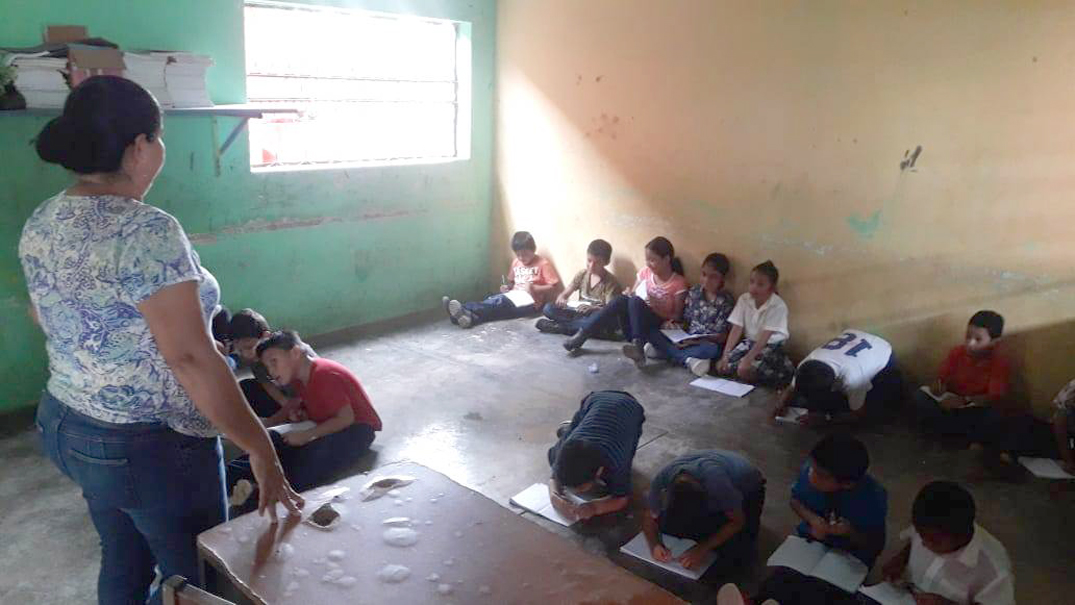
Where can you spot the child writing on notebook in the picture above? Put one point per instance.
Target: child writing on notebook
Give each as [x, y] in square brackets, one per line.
[713, 497]
[531, 274]
[596, 287]
[754, 351]
[656, 300]
[973, 377]
[328, 394]
[949, 559]
[705, 316]
[597, 446]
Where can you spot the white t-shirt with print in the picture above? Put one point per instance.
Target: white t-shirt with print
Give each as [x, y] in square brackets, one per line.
[856, 357]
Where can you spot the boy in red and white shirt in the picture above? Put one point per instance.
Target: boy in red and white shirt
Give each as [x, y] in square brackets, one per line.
[533, 283]
[342, 421]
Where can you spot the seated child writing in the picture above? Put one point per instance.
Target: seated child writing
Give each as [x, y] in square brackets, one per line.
[974, 376]
[713, 497]
[840, 506]
[597, 446]
[845, 380]
[530, 273]
[654, 301]
[704, 315]
[328, 394]
[754, 351]
[949, 559]
[596, 287]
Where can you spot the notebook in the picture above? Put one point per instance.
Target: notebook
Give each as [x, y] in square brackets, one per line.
[520, 298]
[678, 336]
[815, 559]
[1046, 468]
[888, 594]
[727, 387]
[639, 549]
[536, 500]
[792, 415]
[938, 398]
[284, 429]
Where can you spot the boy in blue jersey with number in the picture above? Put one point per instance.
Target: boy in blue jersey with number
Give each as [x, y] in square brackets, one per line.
[850, 378]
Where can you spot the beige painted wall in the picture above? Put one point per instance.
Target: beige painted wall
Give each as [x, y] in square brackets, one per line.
[776, 130]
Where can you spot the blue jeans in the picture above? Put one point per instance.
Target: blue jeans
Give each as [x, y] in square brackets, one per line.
[495, 308]
[311, 465]
[150, 491]
[631, 314]
[679, 355]
[569, 318]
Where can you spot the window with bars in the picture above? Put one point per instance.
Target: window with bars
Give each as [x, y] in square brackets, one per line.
[372, 87]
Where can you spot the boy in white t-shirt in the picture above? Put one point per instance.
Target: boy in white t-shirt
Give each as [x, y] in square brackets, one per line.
[754, 351]
[845, 380]
[949, 559]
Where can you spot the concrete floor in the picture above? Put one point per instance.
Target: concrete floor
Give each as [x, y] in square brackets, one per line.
[481, 406]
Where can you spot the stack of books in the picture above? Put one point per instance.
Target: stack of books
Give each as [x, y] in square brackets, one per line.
[40, 79]
[184, 78]
[148, 70]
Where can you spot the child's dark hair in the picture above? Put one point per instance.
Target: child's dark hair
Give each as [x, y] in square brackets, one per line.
[248, 323]
[768, 269]
[686, 497]
[285, 340]
[577, 462]
[718, 262]
[991, 321]
[221, 325]
[814, 377]
[522, 240]
[842, 456]
[101, 117]
[663, 248]
[601, 249]
[944, 506]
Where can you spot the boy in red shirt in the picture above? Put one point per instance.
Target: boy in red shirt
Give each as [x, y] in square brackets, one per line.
[972, 379]
[531, 275]
[326, 393]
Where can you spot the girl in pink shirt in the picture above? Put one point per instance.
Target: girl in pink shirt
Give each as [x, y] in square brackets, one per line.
[656, 300]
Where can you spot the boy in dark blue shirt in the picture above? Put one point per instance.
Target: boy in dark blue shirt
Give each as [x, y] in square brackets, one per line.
[598, 445]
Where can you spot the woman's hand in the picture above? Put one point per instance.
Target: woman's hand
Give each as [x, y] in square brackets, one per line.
[273, 487]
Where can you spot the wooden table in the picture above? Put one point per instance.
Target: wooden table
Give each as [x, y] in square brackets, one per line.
[479, 551]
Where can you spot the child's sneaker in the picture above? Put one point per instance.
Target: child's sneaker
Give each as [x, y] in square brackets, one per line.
[652, 352]
[465, 319]
[574, 344]
[635, 351]
[453, 307]
[241, 492]
[549, 326]
[699, 367]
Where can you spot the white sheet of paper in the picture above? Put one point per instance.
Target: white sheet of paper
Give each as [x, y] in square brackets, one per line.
[641, 292]
[792, 415]
[1045, 468]
[574, 304]
[639, 549]
[925, 389]
[520, 298]
[815, 559]
[887, 594]
[720, 385]
[284, 429]
[536, 500]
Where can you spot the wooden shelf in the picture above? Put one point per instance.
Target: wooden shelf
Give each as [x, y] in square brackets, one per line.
[245, 112]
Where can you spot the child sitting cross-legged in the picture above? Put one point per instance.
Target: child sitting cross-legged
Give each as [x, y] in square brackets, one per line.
[328, 394]
[949, 559]
[754, 351]
[705, 316]
[596, 287]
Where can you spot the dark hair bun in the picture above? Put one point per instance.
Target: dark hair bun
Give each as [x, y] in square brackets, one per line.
[101, 117]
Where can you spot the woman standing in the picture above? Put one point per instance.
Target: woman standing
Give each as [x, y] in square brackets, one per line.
[137, 391]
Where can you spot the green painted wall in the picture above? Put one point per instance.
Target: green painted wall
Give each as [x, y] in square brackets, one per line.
[317, 250]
